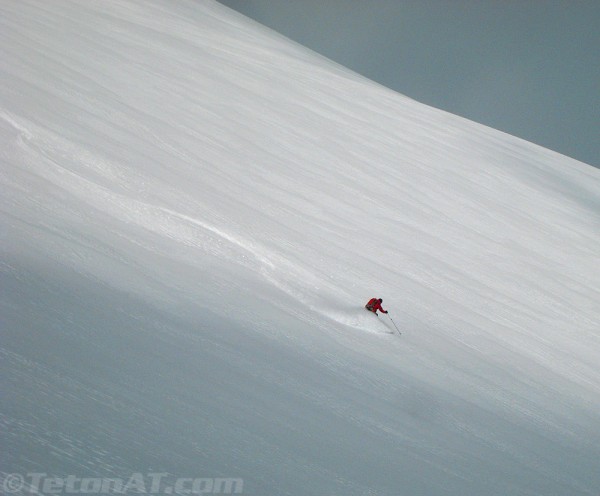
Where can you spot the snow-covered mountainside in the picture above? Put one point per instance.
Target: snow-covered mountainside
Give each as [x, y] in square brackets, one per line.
[194, 211]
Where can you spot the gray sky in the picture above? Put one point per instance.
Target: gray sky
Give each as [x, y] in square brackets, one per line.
[527, 67]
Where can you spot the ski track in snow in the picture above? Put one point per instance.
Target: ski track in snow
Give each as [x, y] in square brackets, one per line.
[99, 192]
[194, 211]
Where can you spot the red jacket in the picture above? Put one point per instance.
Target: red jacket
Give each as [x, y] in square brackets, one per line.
[374, 305]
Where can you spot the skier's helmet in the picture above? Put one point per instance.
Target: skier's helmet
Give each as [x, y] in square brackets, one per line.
[380, 300]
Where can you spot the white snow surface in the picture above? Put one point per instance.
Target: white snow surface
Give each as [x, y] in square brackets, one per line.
[194, 211]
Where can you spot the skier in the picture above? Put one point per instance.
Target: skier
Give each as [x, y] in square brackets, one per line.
[374, 305]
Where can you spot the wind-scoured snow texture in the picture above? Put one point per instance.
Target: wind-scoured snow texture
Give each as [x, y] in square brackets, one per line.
[194, 211]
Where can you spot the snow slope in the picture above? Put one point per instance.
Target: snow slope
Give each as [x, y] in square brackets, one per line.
[193, 212]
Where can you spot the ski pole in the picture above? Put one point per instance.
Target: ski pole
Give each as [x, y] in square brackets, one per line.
[395, 325]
